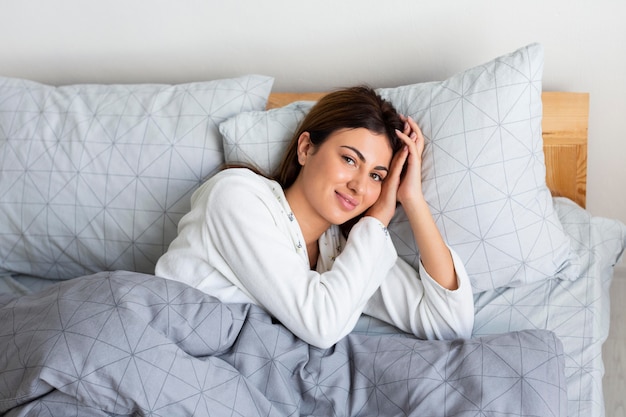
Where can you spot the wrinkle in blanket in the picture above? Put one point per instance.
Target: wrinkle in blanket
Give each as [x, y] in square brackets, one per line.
[124, 343]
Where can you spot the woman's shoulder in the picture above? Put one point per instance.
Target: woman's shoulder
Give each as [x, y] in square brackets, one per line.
[243, 177]
[238, 174]
[236, 184]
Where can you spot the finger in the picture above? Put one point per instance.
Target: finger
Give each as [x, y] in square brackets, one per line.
[406, 139]
[415, 127]
[407, 127]
[414, 149]
[398, 162]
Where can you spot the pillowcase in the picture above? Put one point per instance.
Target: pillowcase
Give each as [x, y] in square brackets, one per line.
[96, 177]
[483, 168]
[484, 171]
[260, 138]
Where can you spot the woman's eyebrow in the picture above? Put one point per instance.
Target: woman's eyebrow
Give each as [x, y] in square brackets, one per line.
[362, 157]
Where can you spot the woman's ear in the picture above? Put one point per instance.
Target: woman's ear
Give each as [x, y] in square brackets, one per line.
[304, 146]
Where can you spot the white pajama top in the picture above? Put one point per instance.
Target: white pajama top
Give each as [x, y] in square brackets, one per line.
[241, 243]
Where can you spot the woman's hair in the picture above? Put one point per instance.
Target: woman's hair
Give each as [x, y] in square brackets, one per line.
[349, 108]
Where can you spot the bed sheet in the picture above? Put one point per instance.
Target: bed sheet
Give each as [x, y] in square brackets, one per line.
[577, 311]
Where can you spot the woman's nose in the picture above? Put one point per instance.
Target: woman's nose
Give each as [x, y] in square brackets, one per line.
[357, 184]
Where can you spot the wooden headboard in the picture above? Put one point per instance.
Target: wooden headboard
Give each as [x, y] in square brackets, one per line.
[564, 125]
[565, 121]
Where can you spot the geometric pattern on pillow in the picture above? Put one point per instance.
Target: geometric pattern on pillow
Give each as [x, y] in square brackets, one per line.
[483, 168]
[258, 138]
[484, 171]
[96, 177]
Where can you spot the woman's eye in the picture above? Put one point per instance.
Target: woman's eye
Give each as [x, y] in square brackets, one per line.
[376, 177]
[349, 160]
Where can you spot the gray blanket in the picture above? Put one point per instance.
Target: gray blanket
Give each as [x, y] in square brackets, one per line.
[123, 343]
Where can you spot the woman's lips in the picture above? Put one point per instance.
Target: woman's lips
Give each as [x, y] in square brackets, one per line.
[346, 201]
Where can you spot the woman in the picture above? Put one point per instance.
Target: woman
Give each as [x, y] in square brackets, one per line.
[311, 245]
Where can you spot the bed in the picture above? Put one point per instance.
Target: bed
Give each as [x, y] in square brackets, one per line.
[94, 178]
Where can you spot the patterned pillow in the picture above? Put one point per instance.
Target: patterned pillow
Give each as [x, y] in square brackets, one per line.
[96, 177]
[259, 138]
[483, 168]
[484, 171]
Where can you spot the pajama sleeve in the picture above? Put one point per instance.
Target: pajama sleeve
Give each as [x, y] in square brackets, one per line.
[419, 305]
[254, 252]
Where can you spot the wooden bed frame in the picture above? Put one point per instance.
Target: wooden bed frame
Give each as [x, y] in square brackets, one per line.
[564, 126]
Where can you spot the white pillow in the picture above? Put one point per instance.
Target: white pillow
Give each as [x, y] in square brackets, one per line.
[260, 138]
[96, 177]
[483, 168]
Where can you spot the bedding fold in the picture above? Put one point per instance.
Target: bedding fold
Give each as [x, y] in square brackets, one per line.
[125, 343]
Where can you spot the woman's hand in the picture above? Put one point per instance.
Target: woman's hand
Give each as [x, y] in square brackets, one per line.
[410, 187]
[385, 207]
[401, 185]
[404, 185]
[434, 253]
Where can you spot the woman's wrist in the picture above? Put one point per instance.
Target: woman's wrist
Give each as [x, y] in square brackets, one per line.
[379, 214]
[416, 202]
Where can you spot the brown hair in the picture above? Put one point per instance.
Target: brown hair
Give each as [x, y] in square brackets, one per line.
[351, 108]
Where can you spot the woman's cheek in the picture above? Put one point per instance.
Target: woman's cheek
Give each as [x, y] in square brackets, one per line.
[373, 195]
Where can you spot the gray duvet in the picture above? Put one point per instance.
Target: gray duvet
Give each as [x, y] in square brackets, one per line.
[123, 343]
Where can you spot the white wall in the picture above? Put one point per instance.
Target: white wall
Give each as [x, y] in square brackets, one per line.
[321, 44]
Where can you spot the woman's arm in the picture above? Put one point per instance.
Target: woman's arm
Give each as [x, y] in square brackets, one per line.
[440, 304]
[423, 307]
[404, 184]
[254, 248]
[434, 252]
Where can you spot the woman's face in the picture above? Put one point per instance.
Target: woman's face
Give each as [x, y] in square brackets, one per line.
[342, 177]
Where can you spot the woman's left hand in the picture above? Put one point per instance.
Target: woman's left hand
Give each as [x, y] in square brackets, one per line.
[410, 186]
[434, 253]
[403, 184]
